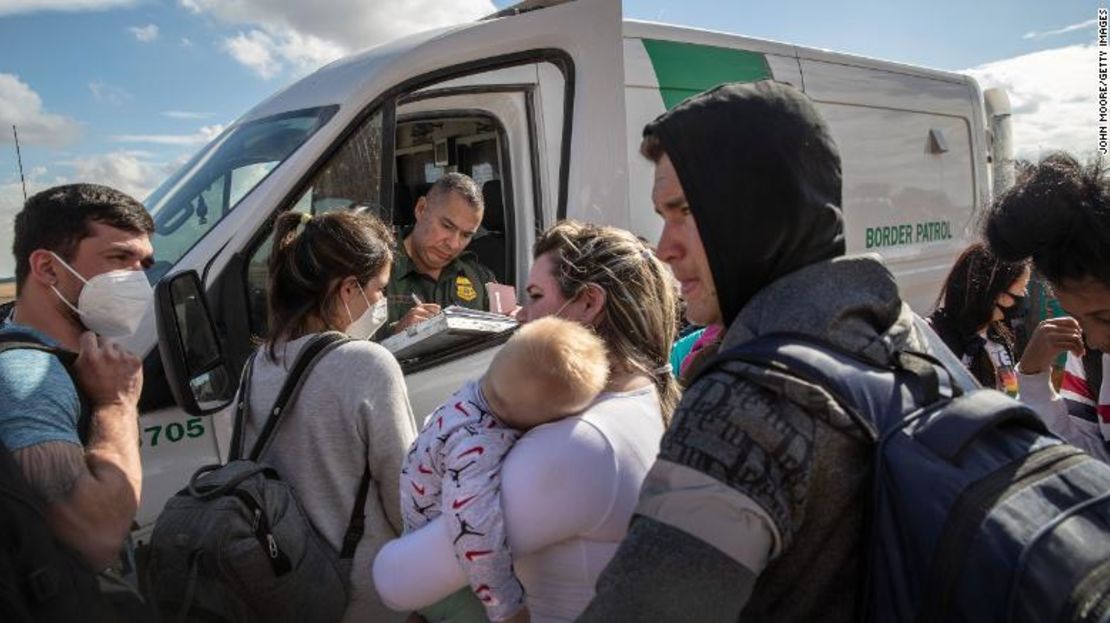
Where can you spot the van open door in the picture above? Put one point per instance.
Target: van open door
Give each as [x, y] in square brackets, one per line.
[531, 101]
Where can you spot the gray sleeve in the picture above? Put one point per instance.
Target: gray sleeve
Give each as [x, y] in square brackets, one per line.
[390, 430]
[663, 574]
[725, 496]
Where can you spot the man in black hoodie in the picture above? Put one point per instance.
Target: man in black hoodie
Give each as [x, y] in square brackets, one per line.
[754, 509]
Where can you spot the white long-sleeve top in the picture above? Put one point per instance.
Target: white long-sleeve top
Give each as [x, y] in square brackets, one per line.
[1076, 413]
[568, 489]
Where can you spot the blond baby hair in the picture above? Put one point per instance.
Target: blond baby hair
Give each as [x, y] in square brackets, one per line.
[566, 364]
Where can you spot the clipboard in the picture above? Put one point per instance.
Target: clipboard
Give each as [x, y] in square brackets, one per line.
[451, 327]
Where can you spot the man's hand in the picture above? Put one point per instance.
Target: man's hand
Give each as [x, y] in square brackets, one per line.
[96, 514]
[1049, 339]
[417, 314]
[108, 374]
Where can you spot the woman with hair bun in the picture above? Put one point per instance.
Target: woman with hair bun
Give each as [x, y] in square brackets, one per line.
[1058, 214]
[352, 411]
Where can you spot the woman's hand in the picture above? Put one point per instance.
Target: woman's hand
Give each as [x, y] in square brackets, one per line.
[1049, 339]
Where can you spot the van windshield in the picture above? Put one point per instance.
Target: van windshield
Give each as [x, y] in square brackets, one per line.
[190, 203]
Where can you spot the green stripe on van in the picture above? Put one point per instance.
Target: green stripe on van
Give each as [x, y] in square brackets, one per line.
[684, 69]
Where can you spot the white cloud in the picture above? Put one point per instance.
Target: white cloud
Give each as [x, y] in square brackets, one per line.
[12, 7]
[186, 42]
[132, 172]
[1052, 95]
[122, 170]
[11, 202]
[1060, 31]
[186, 114]
[145, 34]
[255, 50]
[104, 92]
[21, 106]
[301, 36]
[199, 137]
[270, 53]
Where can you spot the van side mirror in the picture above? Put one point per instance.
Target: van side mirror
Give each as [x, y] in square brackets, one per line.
[196, 369]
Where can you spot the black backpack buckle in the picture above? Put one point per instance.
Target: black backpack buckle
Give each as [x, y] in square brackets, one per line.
[44, 583]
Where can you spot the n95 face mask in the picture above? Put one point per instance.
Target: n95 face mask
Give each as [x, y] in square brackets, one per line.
[111, 304]
[368, 323]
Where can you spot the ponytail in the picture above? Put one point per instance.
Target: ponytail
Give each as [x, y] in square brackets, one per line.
[311, 255]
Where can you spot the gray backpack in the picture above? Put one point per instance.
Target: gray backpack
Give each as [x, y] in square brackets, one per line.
[236, 546]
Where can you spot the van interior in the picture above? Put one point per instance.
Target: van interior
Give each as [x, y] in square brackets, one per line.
[428, 148]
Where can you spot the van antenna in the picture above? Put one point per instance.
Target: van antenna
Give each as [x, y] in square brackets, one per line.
[19, 159]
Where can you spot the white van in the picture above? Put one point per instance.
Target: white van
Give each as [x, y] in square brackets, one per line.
[543, 105]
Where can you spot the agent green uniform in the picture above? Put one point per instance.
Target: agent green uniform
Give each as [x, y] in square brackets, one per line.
[462, 282]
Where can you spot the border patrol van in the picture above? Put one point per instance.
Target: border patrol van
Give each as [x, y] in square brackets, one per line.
[543, 105]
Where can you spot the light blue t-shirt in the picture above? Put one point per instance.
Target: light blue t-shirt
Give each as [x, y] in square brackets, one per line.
[38, 401]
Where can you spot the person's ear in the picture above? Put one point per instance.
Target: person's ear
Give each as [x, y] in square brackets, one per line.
[348, 289]
[421, 205]
[44, 267]
[593, 299]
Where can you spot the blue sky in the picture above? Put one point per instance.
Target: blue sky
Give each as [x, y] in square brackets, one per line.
[120, 91]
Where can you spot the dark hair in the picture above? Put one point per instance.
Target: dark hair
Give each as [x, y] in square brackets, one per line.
[462, 185]
[1058, 213]
[307, 264]
[639, 320]
[652, 148]
[970, 292]
[57, 219]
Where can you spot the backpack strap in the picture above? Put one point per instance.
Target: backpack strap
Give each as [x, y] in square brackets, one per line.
[308, 356]
[868, 392]
[23, 341]
[242, 408]
[316, 348]
[356, 527]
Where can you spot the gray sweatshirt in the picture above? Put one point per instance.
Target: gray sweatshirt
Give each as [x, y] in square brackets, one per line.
[352, 409]
[754, 509]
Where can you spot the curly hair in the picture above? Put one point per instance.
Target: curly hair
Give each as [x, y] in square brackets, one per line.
[1058, 213]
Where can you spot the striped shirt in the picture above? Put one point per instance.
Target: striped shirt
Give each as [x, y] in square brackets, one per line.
[1079, 413]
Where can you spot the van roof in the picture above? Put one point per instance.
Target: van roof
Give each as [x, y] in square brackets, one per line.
[344, 79]
[636, 29]
[349, 78]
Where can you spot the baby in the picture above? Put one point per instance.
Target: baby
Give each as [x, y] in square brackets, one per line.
[548, 370]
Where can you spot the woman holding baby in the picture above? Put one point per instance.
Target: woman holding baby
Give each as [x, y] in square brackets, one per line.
[569, 486]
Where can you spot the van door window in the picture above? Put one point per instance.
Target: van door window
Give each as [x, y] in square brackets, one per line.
[350, 180]
[190, 203]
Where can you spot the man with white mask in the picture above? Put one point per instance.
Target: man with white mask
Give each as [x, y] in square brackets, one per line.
[71, 425]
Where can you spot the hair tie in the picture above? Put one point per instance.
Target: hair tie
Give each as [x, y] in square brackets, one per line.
[646, 254]
[305, 218]
[663, 369]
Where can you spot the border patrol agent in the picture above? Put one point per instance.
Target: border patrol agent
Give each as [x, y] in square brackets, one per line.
[431, 267]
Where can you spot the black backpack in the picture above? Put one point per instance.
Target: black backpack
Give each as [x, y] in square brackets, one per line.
[40, 579]
[977, 513]
[235, 545]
